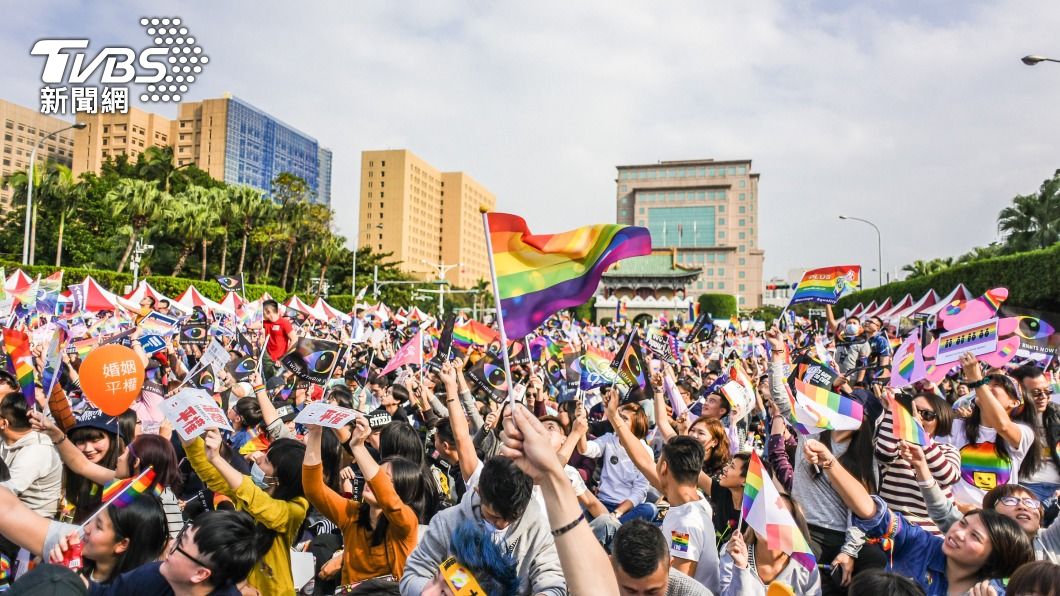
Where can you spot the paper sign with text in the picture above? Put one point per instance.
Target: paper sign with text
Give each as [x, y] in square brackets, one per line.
[978, 339]
[192, 411]
[325, 414]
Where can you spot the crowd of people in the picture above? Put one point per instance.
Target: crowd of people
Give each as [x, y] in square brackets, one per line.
[443, 485]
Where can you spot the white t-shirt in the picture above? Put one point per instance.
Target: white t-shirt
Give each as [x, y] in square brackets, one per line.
[689, 529]
[981, 468]
[619, 477]
[1047, 474]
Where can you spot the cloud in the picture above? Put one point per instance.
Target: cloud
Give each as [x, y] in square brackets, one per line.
[921, 119]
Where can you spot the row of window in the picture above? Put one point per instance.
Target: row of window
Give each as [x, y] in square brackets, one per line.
[63, 140]
[701, 172]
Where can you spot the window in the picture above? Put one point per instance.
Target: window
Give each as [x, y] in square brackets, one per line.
[721, 258]
[721, 285]
[741, 222]
[743, 184]
[742, 209]
[721, 221]
[710, 285]
[721, 271]
[743, 196]
[382, 164]
[742, 288]
[382, 184]
[743, 236]
[371, 163]
[742, 275]
[743, 261]
[380, 195]
[710, 271]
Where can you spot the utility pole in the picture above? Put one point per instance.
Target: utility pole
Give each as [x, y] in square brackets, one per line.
[138, 254]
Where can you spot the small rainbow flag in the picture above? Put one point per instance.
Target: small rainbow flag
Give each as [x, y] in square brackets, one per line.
[257, 443]
[906, 428]
[84, 346]
[20, 362]
[908, 365]
[764, 511]
[474, 333]
[819, 408]
[539, 275]
[122, 492]
[827, 284]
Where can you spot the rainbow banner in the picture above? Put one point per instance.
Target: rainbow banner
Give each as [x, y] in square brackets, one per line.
[20, 362]
[122, 492]
[474, 333]
[538, 276]
[906, 428]
[819, 409]
[827, 284]
[764, 511]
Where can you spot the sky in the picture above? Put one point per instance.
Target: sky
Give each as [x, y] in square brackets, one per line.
[917, 116]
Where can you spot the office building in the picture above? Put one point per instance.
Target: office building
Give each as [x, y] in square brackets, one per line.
[708, 211]
[424, 216]
[23, 128]
[107, 136]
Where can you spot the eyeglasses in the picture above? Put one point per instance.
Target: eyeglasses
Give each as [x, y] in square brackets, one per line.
[927, 415]
[1028, 502]
[176, 547]
[1041, 393]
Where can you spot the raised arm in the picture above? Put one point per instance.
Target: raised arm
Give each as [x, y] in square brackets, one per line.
[994, 414]
[641, 458]
[849, 489]
[465, 445]
[330, 503]
[71, 455]
[662, 421]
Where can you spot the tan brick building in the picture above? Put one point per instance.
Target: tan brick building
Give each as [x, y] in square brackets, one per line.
[23, 128]
[111, 135]
[708, 211]
[423, 216]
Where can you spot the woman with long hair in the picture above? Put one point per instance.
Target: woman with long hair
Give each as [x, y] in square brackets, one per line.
[95, 437]
[380, 530]
[983, 546]
[748, 565]
[898, 485]
[272, 495]
[998, 438]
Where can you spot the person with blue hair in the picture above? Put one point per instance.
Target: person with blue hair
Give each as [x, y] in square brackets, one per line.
[477, 565]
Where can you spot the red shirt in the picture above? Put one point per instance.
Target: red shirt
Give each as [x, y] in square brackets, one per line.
[278, 337]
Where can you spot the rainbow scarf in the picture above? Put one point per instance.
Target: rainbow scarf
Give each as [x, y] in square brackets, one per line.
[84, 346]
[906, 428]
[122, 492]
[538, 276]
[20, 362]
[827, 284]
[761, 509]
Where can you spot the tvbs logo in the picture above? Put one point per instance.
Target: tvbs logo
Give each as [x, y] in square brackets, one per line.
[165, 69]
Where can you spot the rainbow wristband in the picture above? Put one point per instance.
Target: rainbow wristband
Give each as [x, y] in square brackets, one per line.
[258, 388]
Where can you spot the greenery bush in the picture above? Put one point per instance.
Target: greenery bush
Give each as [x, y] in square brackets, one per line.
[722, 306]
[1029, 276]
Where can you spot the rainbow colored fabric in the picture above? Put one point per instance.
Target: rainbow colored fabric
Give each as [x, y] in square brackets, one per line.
[539, 275]
[832, 411]
[827, 284]
[20, 362]
[762, 511]
[474, 333]
[125, 491]
[906, 428]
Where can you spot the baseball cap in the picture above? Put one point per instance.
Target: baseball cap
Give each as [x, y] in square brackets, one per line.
[378, 418]
[93, 418]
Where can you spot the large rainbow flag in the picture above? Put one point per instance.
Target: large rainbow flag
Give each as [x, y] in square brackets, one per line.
[764, 511]
[539, 275]
[819, 409]
[474, 333]
[827, 284]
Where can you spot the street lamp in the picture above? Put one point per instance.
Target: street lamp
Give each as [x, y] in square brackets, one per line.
[442, 270]
[879, 246]
[27, 254]
[353, 280]
[1033, 59]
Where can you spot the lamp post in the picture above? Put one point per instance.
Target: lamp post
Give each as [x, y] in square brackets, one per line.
[30, 234]
[442, 270]
[879, 246]
[1033, 59]
[353, 280]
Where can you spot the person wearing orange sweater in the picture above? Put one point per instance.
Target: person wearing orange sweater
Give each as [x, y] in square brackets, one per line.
[379, 531]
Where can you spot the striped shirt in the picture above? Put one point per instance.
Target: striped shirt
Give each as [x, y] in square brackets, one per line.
[898, 487]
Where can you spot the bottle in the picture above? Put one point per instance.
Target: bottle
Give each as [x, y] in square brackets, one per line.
[72, 555]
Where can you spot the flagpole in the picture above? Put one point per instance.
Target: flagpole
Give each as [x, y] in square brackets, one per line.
[497, 306]
[114, 498]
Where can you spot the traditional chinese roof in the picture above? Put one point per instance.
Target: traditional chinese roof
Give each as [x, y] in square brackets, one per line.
[661, 264]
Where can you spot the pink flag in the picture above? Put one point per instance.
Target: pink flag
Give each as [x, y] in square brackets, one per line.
[410, 353]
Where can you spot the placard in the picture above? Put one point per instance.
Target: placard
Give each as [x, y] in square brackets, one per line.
[192, 411]
[325, 414]
[152, 343]
[978, 339]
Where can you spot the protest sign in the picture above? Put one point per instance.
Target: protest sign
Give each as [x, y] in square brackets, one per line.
[488, 374]
[242, 368]
[1034, 354]
[152, 343]
[111, 378]
[158, 324]
[978, 339]
[445, 345]
[192, 411]
[194, 334]
[325, 414]
[312, 359]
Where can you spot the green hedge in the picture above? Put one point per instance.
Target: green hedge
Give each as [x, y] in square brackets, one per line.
[1031, 278]
[722, 306]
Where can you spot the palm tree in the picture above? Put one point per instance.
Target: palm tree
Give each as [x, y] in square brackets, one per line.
[156, 163]
[182, 217]
[62, 195]
[920, 268]
[209, 225]
[295, 214]
[248, 207]
[329, 250]
[138, 202]
[1032, 221]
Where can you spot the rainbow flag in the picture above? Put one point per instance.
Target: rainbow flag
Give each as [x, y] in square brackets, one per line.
[48, 293]
[122, 492]
[472, 333]
[27, 295]
[764, 511]
[595, 368]
[84, 346]
[819, 409]
[906, 428]
[20, 362]
[257, 443]
[827, 284]
[538, 276]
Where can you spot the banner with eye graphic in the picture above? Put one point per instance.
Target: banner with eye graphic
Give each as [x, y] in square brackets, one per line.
[488, 375]
[242, 368]
[194, 334]
[312, 360]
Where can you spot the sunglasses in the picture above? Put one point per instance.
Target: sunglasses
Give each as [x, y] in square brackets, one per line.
[927, 415]
[1028, 502]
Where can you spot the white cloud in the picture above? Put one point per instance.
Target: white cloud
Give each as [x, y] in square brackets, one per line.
[925, 123]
